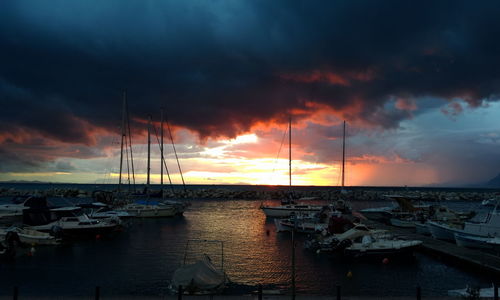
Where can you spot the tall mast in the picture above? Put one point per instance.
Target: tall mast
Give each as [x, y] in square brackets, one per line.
[122, 139]
[149, 151]
[161, 153]
[290, 150]
[343, 155]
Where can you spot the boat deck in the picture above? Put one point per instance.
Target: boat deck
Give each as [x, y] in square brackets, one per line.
[446, 250]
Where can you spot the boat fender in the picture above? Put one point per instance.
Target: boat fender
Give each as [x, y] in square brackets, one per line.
[385, 261]
[349, 274]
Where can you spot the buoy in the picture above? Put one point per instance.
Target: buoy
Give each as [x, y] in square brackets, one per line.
[349, 274]
[385, 261]
[97, 236]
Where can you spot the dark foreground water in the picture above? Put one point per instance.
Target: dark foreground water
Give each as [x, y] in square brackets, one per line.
[142, 259]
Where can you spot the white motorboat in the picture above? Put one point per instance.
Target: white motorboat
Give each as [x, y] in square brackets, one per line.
[80, 226]
[337, 242]
[31, 237]
[307, 223]
[373, 246]
[289, 209]
[489, 227]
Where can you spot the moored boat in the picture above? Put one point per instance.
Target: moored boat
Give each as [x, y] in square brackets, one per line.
[31, 237]
[421, 228]
[474, 242]
[202, 276]
[80, 227]
[442, 231]
[149, 209]
[372, 246]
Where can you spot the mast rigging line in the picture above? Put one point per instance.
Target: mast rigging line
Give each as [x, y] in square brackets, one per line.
[175, 152]
[279, 150]
[130, 145]
[163, 160]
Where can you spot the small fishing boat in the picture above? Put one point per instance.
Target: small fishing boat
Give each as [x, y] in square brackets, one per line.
[30, 236]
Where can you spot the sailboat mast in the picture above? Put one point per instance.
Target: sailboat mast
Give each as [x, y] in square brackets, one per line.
[149, 151]
[290, 150]
[343, 155]
[122, 139]
[161, 152]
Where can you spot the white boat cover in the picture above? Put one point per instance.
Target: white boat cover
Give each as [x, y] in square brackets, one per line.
[200, 276]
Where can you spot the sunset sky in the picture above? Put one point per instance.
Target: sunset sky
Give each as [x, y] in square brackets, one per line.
[418, 84]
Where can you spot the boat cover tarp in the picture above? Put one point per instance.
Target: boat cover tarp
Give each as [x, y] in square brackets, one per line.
[200, 276]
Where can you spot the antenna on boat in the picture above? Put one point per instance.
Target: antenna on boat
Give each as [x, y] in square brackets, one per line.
[175, 152]
[149, 152]
[161, 152]
[130, 145]
[290, 152]
[122, 138]
[163, 163]
[343, 156]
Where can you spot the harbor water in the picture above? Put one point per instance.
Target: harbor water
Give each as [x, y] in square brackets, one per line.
[141, 260]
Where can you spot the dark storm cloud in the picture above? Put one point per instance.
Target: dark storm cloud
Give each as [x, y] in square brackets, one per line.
[220, 66]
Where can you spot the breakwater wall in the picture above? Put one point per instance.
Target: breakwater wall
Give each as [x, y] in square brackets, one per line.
[333, 193]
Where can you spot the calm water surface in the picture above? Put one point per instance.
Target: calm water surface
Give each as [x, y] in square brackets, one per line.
[142, 259]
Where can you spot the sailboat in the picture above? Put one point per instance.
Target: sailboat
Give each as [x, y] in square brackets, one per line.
[143, 208]
[342, 205]
[289, 207]
[319, 221]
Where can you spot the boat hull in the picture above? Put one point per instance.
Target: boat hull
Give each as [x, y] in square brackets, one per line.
[402, 223]
[403, 250]
[278, 212]
[153, 213]
[421, 228]
[472, 242]
[283, 225]
[442, 232]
